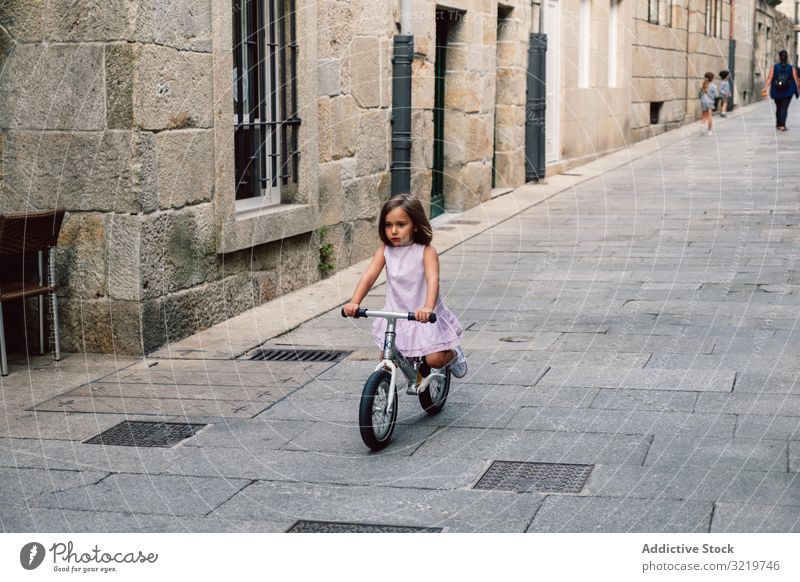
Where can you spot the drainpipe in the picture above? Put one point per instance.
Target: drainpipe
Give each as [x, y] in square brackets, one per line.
[686, 95]
[402, 59]
[732, 53]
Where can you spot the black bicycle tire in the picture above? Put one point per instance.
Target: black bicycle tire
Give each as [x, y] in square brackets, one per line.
[427, 403]
[365, 425]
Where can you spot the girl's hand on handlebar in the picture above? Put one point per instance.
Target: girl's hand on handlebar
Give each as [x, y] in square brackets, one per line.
[350, 309]
[423, 315]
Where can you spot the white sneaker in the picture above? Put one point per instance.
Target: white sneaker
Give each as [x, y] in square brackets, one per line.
[458, 366]
[710, 132]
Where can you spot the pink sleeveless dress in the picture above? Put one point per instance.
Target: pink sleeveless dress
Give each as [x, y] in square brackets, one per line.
[405, 291]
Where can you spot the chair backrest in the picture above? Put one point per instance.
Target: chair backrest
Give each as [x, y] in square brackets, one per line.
[30, 231]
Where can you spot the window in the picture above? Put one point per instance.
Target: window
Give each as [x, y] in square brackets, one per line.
[265, 99]
[714, 18]
[585, 46]
[652, 11]
[655, 112]
[660, 11]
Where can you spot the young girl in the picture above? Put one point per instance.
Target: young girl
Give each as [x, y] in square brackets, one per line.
[725, 91]
[706, 106]
[412, 284]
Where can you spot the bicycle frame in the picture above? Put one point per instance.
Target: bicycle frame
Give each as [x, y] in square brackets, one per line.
[391, 355]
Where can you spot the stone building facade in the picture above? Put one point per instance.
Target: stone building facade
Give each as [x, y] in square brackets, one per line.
[631, 69]
[202, 179]
[133, 115]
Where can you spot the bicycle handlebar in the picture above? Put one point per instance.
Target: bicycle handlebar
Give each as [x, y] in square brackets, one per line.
[411, 316]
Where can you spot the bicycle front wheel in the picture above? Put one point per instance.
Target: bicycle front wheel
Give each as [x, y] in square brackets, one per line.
[435, 395]
[375, 420]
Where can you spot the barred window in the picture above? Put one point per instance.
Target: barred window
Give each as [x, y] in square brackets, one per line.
[714, 18]
[266, 123]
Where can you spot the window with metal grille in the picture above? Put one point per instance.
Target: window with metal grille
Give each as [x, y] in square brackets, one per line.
[714, 18]
[265, 100]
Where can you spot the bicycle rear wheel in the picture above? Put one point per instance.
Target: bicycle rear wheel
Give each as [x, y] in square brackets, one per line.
[375, 421]
[435, 395]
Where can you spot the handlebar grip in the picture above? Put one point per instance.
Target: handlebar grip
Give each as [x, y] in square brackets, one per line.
[362, 312]
[413, 317]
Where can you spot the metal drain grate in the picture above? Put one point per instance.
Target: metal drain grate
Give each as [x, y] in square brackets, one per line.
[539, 477]
[303, 526]
[145, 434]
[275, 355]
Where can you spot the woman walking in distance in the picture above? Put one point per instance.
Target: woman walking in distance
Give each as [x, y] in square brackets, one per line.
[782, 83]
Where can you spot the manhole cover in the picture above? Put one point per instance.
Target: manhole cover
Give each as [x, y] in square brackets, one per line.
[303, 526]
[145, 434]
[276, 355]
[539, 477]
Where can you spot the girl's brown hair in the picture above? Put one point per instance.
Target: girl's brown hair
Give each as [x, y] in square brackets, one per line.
[423, 233]
[705, 85]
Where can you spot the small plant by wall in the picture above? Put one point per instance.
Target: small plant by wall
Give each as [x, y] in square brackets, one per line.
[327, 260]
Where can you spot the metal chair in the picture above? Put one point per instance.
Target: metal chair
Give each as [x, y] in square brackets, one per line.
[24, 238]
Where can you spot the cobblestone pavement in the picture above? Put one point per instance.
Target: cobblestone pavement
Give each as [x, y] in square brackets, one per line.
[641, 322]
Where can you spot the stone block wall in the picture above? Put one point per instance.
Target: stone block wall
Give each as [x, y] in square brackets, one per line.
[659, 72]
[106, 110]
[594, 117]
[484, 121]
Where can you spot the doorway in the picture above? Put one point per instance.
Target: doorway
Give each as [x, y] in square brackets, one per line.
[552, 22]
[443, 18]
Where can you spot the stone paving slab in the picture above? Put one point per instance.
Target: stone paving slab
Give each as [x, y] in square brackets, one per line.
[508, 341]
[231, 372]
[345, 438]
[75, 456]
[718, 453]
[253, 436]
[147, 494]
[537, 446]
[156, 406]
[337, 411]
[694, 484]
[645, 379]
[560, 514]
[755, 518]
[756, 426]
[575, 342]
[774, 364]
[762, 404]
[58, 425]
[23, 485]
[215, 391]
[565, 359]
[775, 381]
[456, 511]
[646, 400]
[33, 519]
[531, 327]
[345, 468]
[794, 455]
[513, 397]
[456, 414]
[623, 421]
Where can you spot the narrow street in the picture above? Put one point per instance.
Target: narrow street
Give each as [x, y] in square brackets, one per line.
[642, 323]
